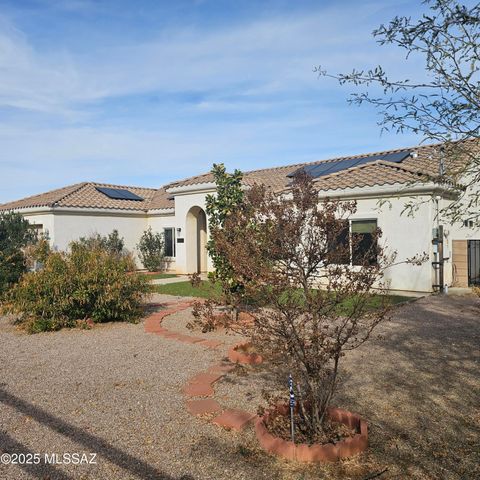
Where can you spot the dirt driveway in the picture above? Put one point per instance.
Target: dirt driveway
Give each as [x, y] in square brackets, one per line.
[116, 391]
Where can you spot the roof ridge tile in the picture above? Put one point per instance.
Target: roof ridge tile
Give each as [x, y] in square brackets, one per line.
[120, 186]
[79, 187]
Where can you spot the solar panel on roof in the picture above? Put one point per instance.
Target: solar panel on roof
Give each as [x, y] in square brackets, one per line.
[128, 195]
[395, 157]
[326, 168]
[119, 193]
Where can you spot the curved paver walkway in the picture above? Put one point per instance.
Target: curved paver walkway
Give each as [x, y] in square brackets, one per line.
[200, 385]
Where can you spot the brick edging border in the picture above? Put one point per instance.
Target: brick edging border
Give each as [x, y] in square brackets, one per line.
[201, 384]
[303, 452]
[153, 324]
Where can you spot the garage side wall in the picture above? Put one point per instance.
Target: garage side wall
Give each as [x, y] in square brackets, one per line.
[68, 227]
[47, 222]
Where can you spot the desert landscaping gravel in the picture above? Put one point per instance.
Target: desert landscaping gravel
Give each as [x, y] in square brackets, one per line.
[117, 391]
[178, 322]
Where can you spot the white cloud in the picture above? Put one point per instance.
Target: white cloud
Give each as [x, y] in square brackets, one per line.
[32, 81]
[258, 75]
[46, 158]
[265, 56]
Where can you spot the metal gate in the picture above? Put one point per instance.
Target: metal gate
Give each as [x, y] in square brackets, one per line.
[474, 262]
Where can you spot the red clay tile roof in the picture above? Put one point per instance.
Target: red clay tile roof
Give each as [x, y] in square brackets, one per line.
[85, 195]
[384, 173]
[418, 168]
[161, 200]
[195, 180]
[43, 199]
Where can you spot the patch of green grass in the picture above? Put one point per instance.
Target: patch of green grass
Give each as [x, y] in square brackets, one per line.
[185, 289]
[375, 301]
[345, 307]
[207, 290]
[156, 276]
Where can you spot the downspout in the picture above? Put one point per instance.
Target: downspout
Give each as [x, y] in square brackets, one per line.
[437, 241]
[438, 263]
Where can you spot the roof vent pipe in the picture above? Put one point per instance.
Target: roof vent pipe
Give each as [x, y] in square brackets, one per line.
[441, 165]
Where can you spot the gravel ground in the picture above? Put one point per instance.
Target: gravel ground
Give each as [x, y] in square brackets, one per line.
[418, 388]
[178, 323]
[116, 391]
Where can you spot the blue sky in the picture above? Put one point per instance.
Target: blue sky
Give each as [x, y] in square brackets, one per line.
[144, 92]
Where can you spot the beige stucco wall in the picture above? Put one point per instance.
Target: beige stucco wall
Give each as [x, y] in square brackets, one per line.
[455, 232]
[407, 235]
[45, 219]
[183, 204]
[63, 227]
[158, 221]
[70, 226]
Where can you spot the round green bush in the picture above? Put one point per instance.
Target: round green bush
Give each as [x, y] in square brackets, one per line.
[85, 283]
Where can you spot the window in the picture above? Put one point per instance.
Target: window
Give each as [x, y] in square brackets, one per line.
[169, 237]
[364, 242]
[339, 247]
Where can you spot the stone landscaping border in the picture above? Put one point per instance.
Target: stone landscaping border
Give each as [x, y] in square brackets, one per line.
[303, 452]
[235, 355]
[199, 391]
[200, 385]
[153, 324]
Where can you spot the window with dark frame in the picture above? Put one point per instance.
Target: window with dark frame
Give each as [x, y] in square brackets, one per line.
[364, 242]
[169, 238]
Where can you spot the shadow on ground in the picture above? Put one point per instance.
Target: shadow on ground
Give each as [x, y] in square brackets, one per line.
[130, 464]
[420, 387]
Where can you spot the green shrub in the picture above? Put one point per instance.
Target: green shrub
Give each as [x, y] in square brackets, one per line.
[84, 283]
[15, 234]
[152, 250]
[112, 243]
[37, 254]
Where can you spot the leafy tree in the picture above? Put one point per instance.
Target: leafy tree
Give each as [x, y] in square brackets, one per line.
[443, 103]
[225, 203]
[294, 254]
[152, 250]
[219, 207]
[15, 234]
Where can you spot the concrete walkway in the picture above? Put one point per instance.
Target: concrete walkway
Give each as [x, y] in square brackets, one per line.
[178, 278]
[165, 281]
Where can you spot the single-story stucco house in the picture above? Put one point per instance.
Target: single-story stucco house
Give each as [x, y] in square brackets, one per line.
[382, 183]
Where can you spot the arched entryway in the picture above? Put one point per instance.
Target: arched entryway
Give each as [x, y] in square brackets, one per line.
[196, 240]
